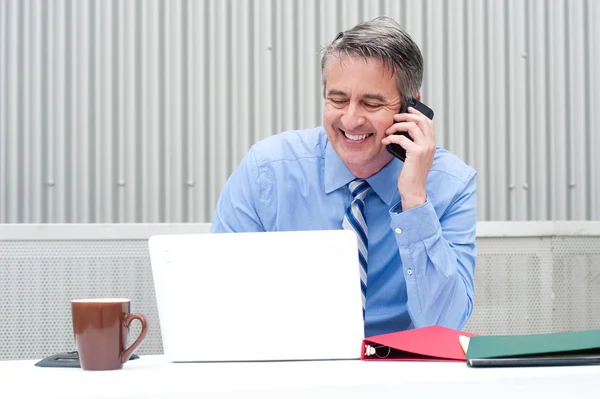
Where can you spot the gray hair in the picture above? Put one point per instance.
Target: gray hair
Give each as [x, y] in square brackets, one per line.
[380, 38]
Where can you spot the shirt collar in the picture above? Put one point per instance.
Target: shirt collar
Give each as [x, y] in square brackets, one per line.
[336, 172]
[384, 182]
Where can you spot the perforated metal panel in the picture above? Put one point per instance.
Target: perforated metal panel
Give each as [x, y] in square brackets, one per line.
[536, 285]
[513, 286]
[38, 280]
[576, 283]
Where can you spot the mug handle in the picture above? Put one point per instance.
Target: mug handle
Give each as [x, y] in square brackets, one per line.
[126, 354]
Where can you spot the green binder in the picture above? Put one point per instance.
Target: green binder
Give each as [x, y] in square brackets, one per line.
[554, 349]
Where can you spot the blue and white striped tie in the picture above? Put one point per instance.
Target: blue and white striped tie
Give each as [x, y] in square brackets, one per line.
[354, 220]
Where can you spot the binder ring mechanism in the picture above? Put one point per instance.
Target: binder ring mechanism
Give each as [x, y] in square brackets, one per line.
[371, 350]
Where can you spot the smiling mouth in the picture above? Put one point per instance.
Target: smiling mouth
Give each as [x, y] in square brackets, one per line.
[359, 137]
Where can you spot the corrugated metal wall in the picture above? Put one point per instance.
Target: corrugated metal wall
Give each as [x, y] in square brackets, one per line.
[138, 111]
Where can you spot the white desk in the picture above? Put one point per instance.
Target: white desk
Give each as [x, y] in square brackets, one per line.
[152, 377]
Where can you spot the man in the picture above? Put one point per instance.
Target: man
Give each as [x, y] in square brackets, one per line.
[415, 220]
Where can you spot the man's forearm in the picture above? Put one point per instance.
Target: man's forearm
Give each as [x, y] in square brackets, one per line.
[437, 292]
[438, 267]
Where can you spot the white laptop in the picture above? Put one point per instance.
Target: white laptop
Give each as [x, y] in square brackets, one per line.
[258, 296]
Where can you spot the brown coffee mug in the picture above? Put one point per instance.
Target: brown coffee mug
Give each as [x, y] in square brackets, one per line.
[101, 330]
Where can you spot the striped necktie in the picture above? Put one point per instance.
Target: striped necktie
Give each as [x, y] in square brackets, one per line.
[354, 220]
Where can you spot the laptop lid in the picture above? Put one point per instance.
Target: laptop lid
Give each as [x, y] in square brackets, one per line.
[258, 296]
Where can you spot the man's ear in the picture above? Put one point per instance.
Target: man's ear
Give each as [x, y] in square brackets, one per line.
[418, 96]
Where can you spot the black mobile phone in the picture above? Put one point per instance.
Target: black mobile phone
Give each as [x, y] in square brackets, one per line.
[396, 149]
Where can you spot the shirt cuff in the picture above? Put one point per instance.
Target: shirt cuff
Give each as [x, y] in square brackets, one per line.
[414, 225]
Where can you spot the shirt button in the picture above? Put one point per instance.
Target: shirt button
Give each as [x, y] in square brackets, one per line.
[409, 272]
[398, 230]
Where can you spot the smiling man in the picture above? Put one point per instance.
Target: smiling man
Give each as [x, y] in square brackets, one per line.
[415, 220]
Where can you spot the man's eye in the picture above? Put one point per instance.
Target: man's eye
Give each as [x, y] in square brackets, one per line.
[336, 101]
[372, 105]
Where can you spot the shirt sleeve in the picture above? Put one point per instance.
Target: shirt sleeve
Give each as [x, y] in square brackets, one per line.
[438, 259]
[237, 207]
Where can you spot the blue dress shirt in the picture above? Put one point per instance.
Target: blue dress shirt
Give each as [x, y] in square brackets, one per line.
[421, 261]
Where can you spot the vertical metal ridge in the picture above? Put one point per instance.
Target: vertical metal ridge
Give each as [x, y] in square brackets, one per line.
[295, 62]
[339, 23]
[103, 121]
[151, 159]
[473, 108]
[90, 150]
[115, 106]
[81, 196]
[145, 145]
[276, 50]
[529, 114]
[49, 125]
[252, 122]
[158, 159]
[576, 84]
[508, 154]
[122, 90]
[173, 129]
[467, 74]
[163, 145]
[454, 54]
[213, 73]
[308, 77]
[210, 137]
[446, 81]
[557, 127]
[207, 116]
[11, 90]
[318, 93]
[243, 55]
[587, 95]
[231, 121]
[72, 163]
[3, 106]
[20, 198]
[59, 95]
[538, 134]
[574, 109]
[5, 149]
[567, 112]
[403, 11]
[234, 94]
[187, 177]
[139, 196]
[195, 150]
[221, 128]
[424, 48]
[487, 113]
[42, 70]
[279, 45]
[167, 87]
[263, 49]
[36, 185]
[70, 159]
[547, 100]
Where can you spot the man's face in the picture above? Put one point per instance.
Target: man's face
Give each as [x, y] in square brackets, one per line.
[361, 100]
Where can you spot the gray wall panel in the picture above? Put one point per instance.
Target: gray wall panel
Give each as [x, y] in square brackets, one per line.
[138, 111]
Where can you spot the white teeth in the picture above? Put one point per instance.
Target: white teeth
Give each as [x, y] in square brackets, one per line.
[356, 138]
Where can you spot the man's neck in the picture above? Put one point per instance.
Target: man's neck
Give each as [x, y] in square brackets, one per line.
[366, 172]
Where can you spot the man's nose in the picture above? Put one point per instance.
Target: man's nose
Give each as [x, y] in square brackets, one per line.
[352, 117]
